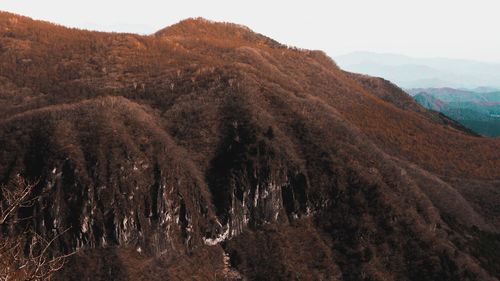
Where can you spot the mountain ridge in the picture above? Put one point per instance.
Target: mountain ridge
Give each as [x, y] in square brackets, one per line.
[475, 110]
[160, 152]
[409, 72]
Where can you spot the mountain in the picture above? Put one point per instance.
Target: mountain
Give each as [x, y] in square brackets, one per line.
[459, 95]
[408, 72]
[478, 111]
[206, 151]
[429, 101]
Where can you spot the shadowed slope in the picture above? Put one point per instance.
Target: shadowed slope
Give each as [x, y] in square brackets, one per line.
[208, 141]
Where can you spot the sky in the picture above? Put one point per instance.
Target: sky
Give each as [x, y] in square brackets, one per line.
[426, 28]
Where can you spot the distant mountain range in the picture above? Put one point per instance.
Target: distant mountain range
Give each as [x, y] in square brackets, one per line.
[478, 111]
[409, 72]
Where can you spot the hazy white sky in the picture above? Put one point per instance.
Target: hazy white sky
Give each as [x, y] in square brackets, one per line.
[426, 28]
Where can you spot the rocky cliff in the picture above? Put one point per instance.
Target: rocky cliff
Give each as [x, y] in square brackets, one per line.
[209, 152]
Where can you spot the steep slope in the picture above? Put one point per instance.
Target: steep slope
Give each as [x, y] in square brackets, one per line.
[394, 95]
[429, 101]
[206, 142]
[478, 111]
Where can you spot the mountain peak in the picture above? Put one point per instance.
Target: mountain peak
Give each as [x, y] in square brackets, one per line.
[200, 24]
[204, 29]
[206, 144]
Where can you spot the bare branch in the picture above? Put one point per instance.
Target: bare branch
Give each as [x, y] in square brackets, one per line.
[15, 198]
[38, 263]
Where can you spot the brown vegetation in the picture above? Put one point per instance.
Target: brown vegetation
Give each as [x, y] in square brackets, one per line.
[165, 154]
[26, 255]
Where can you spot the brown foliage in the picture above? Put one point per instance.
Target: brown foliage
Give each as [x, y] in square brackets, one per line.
[26, 255]
[203, 119]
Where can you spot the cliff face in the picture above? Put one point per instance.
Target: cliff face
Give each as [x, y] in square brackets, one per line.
[207, 151]
[117, 179]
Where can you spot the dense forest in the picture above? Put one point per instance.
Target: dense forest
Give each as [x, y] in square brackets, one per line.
[206, 151]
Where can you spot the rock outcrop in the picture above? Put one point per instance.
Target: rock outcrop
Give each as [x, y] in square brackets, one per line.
[209, 152]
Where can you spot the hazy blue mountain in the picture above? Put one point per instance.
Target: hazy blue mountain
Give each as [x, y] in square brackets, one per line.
[459, 95]
[408, 72]
[477, 111]
[430, 102]
[485, 90]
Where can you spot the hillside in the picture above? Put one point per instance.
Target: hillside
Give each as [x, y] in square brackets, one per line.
[206, 151]
[478, 111]
[429, 101]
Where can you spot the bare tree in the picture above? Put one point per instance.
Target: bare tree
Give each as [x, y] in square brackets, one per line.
[26, 255]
